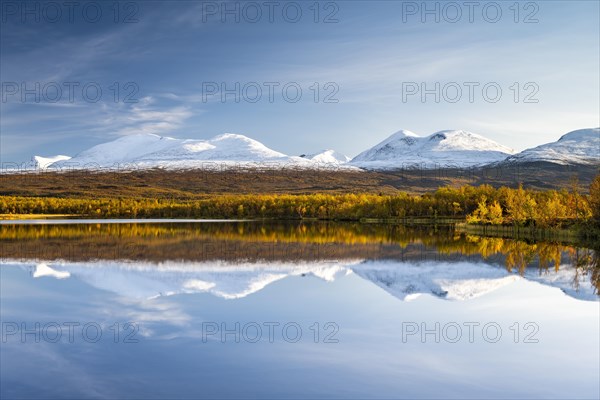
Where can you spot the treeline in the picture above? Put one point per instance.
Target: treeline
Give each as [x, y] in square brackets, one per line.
[295, 207]
[483, 204]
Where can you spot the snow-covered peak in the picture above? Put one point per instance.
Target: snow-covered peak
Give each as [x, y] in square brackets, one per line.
[577, 147]
[232, 136]
[464, 140]
[581, 135]
[443, 148]
[39, 162]
[240, 146]
[402, 134]
[237, 139]
[123, 150]
[400, 139]
[328, 157]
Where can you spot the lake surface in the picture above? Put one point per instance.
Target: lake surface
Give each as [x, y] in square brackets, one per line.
[274, 310]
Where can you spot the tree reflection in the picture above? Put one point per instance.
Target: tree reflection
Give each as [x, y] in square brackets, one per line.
[275, 241]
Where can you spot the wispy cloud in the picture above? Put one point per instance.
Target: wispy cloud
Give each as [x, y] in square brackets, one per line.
[147, 117]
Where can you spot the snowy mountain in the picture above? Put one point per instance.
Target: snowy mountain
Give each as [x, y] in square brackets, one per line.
[441, 149]
[39, 162]
[577, 147]
[150, 151]
[327, 157]
[153, 151]
[234, 280]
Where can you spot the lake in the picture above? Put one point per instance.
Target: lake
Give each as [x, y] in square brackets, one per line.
[244, 309]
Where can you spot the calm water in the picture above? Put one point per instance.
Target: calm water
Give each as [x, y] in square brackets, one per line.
[246, 310]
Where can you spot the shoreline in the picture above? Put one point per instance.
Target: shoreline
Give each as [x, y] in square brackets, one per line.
[571, 235]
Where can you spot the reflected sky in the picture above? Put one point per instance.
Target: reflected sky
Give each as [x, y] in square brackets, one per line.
[355, 328]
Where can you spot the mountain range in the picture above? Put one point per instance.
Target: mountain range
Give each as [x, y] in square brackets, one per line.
[403, 149]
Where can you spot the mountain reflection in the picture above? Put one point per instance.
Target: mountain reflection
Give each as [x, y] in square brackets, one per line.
[232, 260]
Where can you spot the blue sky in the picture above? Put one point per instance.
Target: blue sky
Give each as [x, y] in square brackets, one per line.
[365, 60]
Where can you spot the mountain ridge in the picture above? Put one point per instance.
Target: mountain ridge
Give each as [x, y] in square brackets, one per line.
[402, 149]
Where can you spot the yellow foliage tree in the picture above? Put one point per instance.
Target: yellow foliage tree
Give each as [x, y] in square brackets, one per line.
[480, 215]
[495, 213]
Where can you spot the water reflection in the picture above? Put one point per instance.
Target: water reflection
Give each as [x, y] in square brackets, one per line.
[232, 260]
[360, 283]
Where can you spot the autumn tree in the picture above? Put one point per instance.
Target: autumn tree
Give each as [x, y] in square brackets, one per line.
[552, 211]
[495, 213]
[520, 206]
[480, 215]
